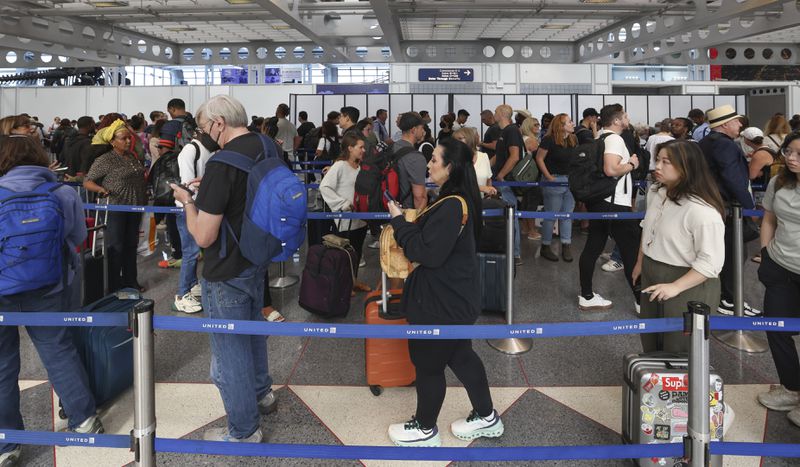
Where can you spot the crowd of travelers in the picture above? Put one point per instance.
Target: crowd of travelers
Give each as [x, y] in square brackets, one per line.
[685, 174]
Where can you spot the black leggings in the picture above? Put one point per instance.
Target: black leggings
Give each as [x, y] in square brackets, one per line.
[431, 357]
[781, 300]
[123, 239]
[626, 233]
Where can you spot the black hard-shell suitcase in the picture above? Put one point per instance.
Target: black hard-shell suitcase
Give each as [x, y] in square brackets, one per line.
[492, 269]
[95, 260]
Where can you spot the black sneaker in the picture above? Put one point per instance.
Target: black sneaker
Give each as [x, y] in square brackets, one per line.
[726, 308]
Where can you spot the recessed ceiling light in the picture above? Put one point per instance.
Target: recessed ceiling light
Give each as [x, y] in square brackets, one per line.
[180, 28]
[107, 4]
[374, 26]
[445, 26]
[555, 26]
[598, 1]
[281, 27]
[239, 2]
[377, 38]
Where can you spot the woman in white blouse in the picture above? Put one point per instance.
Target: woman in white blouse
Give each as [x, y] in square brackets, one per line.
[480, 160]
[338, 188]
[683, 239]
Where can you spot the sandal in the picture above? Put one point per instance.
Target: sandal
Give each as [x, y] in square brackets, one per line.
[274, 317]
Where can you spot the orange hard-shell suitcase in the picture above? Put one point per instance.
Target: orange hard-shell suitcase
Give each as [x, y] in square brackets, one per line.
[388, 361]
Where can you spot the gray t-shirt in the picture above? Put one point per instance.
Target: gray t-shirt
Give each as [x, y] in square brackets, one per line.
[784, 248]
[286, 133]
[411, 170]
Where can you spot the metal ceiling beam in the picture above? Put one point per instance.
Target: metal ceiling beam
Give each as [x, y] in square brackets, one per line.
[789, 17]
[390, 26]
[265, 53]
[178, 10]
[281, 10]
[776, 54]
[89, 36]
[606, 42]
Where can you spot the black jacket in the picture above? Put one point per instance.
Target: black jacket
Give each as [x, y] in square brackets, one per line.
[445, 287]
[729, 167]
[74, 146]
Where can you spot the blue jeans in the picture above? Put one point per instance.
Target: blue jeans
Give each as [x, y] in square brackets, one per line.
[57, 351]
[508, 196]
[239, 362]
[190, 252]
[558, 199]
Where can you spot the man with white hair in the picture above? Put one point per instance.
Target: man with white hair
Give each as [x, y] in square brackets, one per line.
[232, 287]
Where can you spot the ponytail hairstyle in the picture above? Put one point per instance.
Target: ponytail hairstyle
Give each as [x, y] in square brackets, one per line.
[462, 181]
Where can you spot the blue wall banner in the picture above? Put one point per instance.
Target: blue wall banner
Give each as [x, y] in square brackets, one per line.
[446, 74]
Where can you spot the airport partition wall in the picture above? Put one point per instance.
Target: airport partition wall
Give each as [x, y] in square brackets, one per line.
[642, 109]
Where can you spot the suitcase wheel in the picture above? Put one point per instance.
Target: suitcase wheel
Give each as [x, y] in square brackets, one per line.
[61, 414]
[376, 390]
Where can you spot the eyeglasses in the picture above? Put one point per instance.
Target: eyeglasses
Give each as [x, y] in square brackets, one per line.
[790, 153]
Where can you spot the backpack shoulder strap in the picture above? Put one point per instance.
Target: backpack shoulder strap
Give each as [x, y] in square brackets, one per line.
[403, 152]
[464, 209]
[234, 159]
[196, 156]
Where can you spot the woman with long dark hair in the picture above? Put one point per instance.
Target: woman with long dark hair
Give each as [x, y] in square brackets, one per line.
[683, 247]
[444, 289]
[780, 274]
[24, 168]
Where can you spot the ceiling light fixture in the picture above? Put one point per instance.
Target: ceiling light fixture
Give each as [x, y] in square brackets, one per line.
[239, 2]
[107, 4]
[598, 1]
[180, 28]
[555, 26]
[374, 26]
[445, 26]
[281, 27]
[377, 38]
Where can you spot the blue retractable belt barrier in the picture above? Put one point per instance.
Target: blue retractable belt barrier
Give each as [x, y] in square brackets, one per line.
[755, 449]
[307, 171]
[625, 451]
[733, 323]
[752, 212]
[46, 438]
[62, 319]
[580, 215]
[302, 163]
[127, 208]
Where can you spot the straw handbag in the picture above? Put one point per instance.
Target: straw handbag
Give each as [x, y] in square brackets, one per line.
[393, 261]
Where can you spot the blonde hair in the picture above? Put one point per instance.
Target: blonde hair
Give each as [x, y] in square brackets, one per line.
[470, 136]
[527, 127]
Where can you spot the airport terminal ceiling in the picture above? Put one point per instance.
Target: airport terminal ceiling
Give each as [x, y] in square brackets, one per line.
[245, 32]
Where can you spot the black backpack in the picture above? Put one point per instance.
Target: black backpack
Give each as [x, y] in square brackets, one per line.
[587, 180]
[493, 231]
[333, 151]
[164, 171]
[311, 139]
[378, 173]
[186, 132]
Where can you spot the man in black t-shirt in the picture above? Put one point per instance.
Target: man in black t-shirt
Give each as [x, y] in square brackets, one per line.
[305, 125]
[587, 130]
[508, 151]
[232, 287]
[491, 134]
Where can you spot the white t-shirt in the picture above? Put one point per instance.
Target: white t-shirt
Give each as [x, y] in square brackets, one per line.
[324, 145]
[652, 144]
[483, 168]
[186, 164]
[614, 144]
[338, 188]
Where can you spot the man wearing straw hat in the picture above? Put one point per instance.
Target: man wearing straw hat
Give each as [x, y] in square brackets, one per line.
[729, 166]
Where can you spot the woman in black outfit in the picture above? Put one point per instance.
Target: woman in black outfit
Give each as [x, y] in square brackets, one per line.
[444, 289]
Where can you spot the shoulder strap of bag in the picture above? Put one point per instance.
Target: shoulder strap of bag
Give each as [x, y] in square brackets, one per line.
[773, 140]
[464, 209]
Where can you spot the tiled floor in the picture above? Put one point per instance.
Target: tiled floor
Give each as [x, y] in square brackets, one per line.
[563, 392]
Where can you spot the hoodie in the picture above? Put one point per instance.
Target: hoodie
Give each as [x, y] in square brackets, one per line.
[26, 178]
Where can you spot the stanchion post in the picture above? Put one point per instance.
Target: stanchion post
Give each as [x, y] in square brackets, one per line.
[283, 280]
[699, 435]
[143, 435]
[739, 339]
[510, 346]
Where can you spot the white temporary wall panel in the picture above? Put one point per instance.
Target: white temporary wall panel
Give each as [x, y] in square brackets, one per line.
[8, 102]
[359, 101]
[703, 103]
[472, 104]
[147, 99]
[658, 109]
[516, 101]
[636, 106]
[490, 102]
[561, 104]
[332, 102]
[679, 106]
[398, 104]
[538, 104]
[741, 104]
[101, 100]
[584, 102]
[312, 104]
[423, 102]
[612, 99]
[725, 100]
[199, 95]
[377, 101]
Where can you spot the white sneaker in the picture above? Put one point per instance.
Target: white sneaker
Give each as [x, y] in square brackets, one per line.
[638, 308]
[187, 304]
[197, 291]
[779, 398]
[475, 426]
[89, 426]
[612, 266]
[411, 433]
[374, 245]
[11, 458]
[268, 404]
[222, 434]
[362, 263]
[596, 303]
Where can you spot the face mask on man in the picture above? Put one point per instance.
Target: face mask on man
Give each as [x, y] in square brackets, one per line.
[208, 142]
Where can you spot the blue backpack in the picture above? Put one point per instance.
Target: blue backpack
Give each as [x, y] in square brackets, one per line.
[274, 223]
[31, 239]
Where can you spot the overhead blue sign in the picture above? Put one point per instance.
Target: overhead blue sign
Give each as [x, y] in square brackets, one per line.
[446, 74]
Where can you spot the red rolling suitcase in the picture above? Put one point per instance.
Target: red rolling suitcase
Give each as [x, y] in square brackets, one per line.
[387, 360]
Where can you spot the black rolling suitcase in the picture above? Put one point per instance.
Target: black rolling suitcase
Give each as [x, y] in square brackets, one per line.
[493, 283]
[95, 261]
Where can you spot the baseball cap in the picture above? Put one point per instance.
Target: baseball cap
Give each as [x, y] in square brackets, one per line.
[752, 133]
